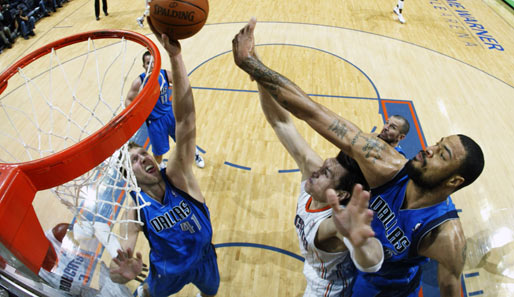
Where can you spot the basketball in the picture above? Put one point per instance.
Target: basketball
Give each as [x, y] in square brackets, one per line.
[179, 19]
[60, 230]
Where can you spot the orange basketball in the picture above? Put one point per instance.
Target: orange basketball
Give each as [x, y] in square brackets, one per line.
[60, 230]
[179, 19]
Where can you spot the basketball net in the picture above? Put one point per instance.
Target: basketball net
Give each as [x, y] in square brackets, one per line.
[47, 113]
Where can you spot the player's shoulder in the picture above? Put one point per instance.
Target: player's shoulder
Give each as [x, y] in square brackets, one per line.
[445, 241]
[137, 81]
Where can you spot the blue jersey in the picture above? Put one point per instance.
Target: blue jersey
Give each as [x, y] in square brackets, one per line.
[163, 105]
[179, 230]
[400, 231]
[399, 149]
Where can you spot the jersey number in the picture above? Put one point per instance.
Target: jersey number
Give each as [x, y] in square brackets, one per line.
[186, 226]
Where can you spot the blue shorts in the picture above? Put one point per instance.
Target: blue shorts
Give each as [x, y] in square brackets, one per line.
[362, 287]
[205, 276]
[158, 131]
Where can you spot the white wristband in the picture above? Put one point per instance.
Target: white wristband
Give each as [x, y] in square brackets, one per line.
[373, 268]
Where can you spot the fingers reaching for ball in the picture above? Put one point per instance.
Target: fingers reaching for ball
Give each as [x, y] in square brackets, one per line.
[179, 19]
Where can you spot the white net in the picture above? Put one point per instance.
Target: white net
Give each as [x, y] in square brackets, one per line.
[98, 196]
[59, 100]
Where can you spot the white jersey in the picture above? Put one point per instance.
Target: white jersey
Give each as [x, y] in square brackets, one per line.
[69, 272]
[327, 274]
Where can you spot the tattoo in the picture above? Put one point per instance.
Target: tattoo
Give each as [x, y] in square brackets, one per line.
[268, 78]
[271, 80]
[354, 140]
[339, 129]
[373, 145]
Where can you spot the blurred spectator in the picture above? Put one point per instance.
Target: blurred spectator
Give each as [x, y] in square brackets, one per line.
[7, 15]
[43, 9]
[5, 33]
[6, 23]
[53, 4]
[24, 23]
[97, 8]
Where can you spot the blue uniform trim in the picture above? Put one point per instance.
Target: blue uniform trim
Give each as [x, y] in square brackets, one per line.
[427, 228]
[399, 149]
[163, 104]
[179, 232]
[185, 195]
[395, 179]
[400, 230]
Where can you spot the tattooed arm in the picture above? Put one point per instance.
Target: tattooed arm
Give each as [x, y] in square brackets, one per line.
[378, 161]
[447, 245]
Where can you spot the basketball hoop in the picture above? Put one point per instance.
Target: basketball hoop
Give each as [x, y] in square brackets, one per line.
[21, 231]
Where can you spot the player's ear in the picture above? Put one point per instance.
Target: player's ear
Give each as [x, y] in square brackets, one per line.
[455, 181]
[344, 197]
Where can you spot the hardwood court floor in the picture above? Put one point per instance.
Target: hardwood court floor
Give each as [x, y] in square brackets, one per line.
[452, 60]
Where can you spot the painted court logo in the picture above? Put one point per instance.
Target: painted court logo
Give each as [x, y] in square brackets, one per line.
[468, 28]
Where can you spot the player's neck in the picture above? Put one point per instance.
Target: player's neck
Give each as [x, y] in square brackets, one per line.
[394, 143]
[315, 204]
[417, 197]
[155, 191]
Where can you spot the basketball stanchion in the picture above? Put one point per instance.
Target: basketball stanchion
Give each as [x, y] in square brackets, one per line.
[64, 125]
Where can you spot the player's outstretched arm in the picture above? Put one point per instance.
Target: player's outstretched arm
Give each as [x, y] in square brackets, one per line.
[447, 245]
[354, 224]
[125, 267]
[376, 159]
[307, 159]
[180, 163]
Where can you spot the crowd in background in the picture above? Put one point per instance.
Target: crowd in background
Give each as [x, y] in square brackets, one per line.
[19, 18]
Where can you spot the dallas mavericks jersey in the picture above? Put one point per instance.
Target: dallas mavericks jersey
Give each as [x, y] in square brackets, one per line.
[326, 273]
[401, 231]
[163, 105]
[179, 230]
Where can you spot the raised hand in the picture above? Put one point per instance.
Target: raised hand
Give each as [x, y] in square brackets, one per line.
[128, 268]
[243, 44]
[170, 45]
[353, 221]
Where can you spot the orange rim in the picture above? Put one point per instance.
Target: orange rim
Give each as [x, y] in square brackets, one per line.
[19, 182]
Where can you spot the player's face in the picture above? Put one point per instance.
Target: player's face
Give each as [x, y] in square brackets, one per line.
[391, 131]
[148, 65]
[433, 166]
[327, 176]
[144, 166]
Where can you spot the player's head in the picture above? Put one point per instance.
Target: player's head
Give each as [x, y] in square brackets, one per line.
[340, 173]
[144, 165]
[394, 130]
[148, 61]
[453, 163]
